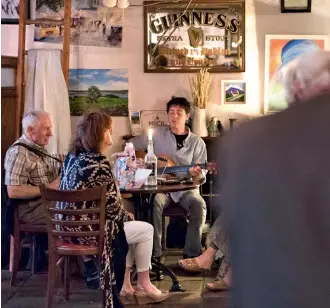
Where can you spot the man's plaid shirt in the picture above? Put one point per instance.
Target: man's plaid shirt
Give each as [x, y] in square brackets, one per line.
[24, 167]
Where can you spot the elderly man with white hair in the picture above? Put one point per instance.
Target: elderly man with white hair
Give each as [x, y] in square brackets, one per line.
[28, 165]
[309, 76]
[275, 193]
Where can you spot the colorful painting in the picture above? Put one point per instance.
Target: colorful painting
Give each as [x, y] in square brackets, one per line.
[281, 51]
[99, 89]
[92, 24]
[233, 91]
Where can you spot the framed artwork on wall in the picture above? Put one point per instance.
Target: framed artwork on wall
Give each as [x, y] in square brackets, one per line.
[135, 122]
[153, 118]
[10, 11]
[105, 90]
[296, 6]
[233, 92]
[91, 23]
[185, 36]
[280, 52]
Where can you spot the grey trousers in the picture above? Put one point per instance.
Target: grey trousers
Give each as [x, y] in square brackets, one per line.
[194, 204]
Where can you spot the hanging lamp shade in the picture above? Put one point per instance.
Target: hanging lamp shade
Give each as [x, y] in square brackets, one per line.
[122, 4]
[109, 3]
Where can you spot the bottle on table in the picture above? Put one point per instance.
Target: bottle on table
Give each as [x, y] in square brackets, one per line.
[151, 162]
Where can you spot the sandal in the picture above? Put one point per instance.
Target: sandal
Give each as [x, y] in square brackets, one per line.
[127, 297]
[144, 298]
[190, 265]
[217, 285]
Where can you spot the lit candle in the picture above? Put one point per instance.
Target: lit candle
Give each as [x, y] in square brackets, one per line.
[149, 134]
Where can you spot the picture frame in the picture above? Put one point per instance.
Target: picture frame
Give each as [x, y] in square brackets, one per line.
[233, 92]
[153, 118]
[182, 39]
[135, 122]
[106, 90]
[10, 12]
[278, 49]
[296, 6]
[92, 25]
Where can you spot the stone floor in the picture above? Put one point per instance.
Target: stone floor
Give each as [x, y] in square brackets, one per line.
[30, 291]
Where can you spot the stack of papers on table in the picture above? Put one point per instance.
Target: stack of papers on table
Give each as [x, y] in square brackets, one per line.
[141, 176]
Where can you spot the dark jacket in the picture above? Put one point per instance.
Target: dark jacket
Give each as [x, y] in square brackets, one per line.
[276, 196]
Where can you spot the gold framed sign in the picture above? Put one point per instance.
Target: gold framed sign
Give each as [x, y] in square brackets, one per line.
[185, 36]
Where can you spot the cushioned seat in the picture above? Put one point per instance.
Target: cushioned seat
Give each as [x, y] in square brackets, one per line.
[76, 249]
[33, 228]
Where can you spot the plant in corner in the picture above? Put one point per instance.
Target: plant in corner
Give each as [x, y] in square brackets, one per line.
[200, 86]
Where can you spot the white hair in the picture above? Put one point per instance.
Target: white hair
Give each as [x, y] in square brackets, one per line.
[31, 118]
[309, 72]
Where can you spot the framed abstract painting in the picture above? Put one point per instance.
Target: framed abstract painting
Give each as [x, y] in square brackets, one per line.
[281, 51]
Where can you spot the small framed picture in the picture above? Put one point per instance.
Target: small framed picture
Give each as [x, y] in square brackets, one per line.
[10, 11]
[233, 92]
[296, 6]
[135, 122]
[153, 118]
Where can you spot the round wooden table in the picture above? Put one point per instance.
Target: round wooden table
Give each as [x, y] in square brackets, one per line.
[152, 191]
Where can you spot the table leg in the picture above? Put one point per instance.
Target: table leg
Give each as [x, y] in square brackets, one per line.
[176, 287]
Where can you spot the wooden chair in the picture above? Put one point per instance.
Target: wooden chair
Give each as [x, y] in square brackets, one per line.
[60, 251]
[172, 211]
[16, 244]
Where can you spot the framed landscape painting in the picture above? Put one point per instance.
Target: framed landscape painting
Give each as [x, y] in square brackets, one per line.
[233, 92]
[98, 89]
[281, 52]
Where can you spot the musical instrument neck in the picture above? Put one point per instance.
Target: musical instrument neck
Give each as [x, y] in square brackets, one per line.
[175, 169]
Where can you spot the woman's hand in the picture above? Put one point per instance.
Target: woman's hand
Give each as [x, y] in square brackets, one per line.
[131, 216]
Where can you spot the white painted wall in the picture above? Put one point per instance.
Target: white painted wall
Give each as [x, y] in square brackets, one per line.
[152, 91]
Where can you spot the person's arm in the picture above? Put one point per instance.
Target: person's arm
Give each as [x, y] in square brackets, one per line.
[16, 178]
[23, 191]
[27, 191]
[199, 157]
[56, 164]
[114, 208]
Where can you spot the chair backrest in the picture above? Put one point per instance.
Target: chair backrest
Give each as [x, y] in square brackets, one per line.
[56, 225]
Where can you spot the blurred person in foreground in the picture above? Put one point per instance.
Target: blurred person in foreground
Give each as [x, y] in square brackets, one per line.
[276, 196]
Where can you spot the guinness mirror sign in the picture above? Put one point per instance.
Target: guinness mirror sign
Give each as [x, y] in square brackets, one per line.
[185, 36]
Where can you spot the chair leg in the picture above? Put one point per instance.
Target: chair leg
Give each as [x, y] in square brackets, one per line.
[52, 274]
[67, 277]
[163, 240]
[33, 254]
[15, 256]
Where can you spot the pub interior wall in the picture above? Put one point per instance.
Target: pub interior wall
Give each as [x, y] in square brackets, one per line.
[152, 91]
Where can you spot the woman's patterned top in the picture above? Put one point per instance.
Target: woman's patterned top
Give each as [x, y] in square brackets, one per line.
[88, 170]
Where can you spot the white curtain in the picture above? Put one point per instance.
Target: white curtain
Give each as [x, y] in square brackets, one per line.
[46, 89]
